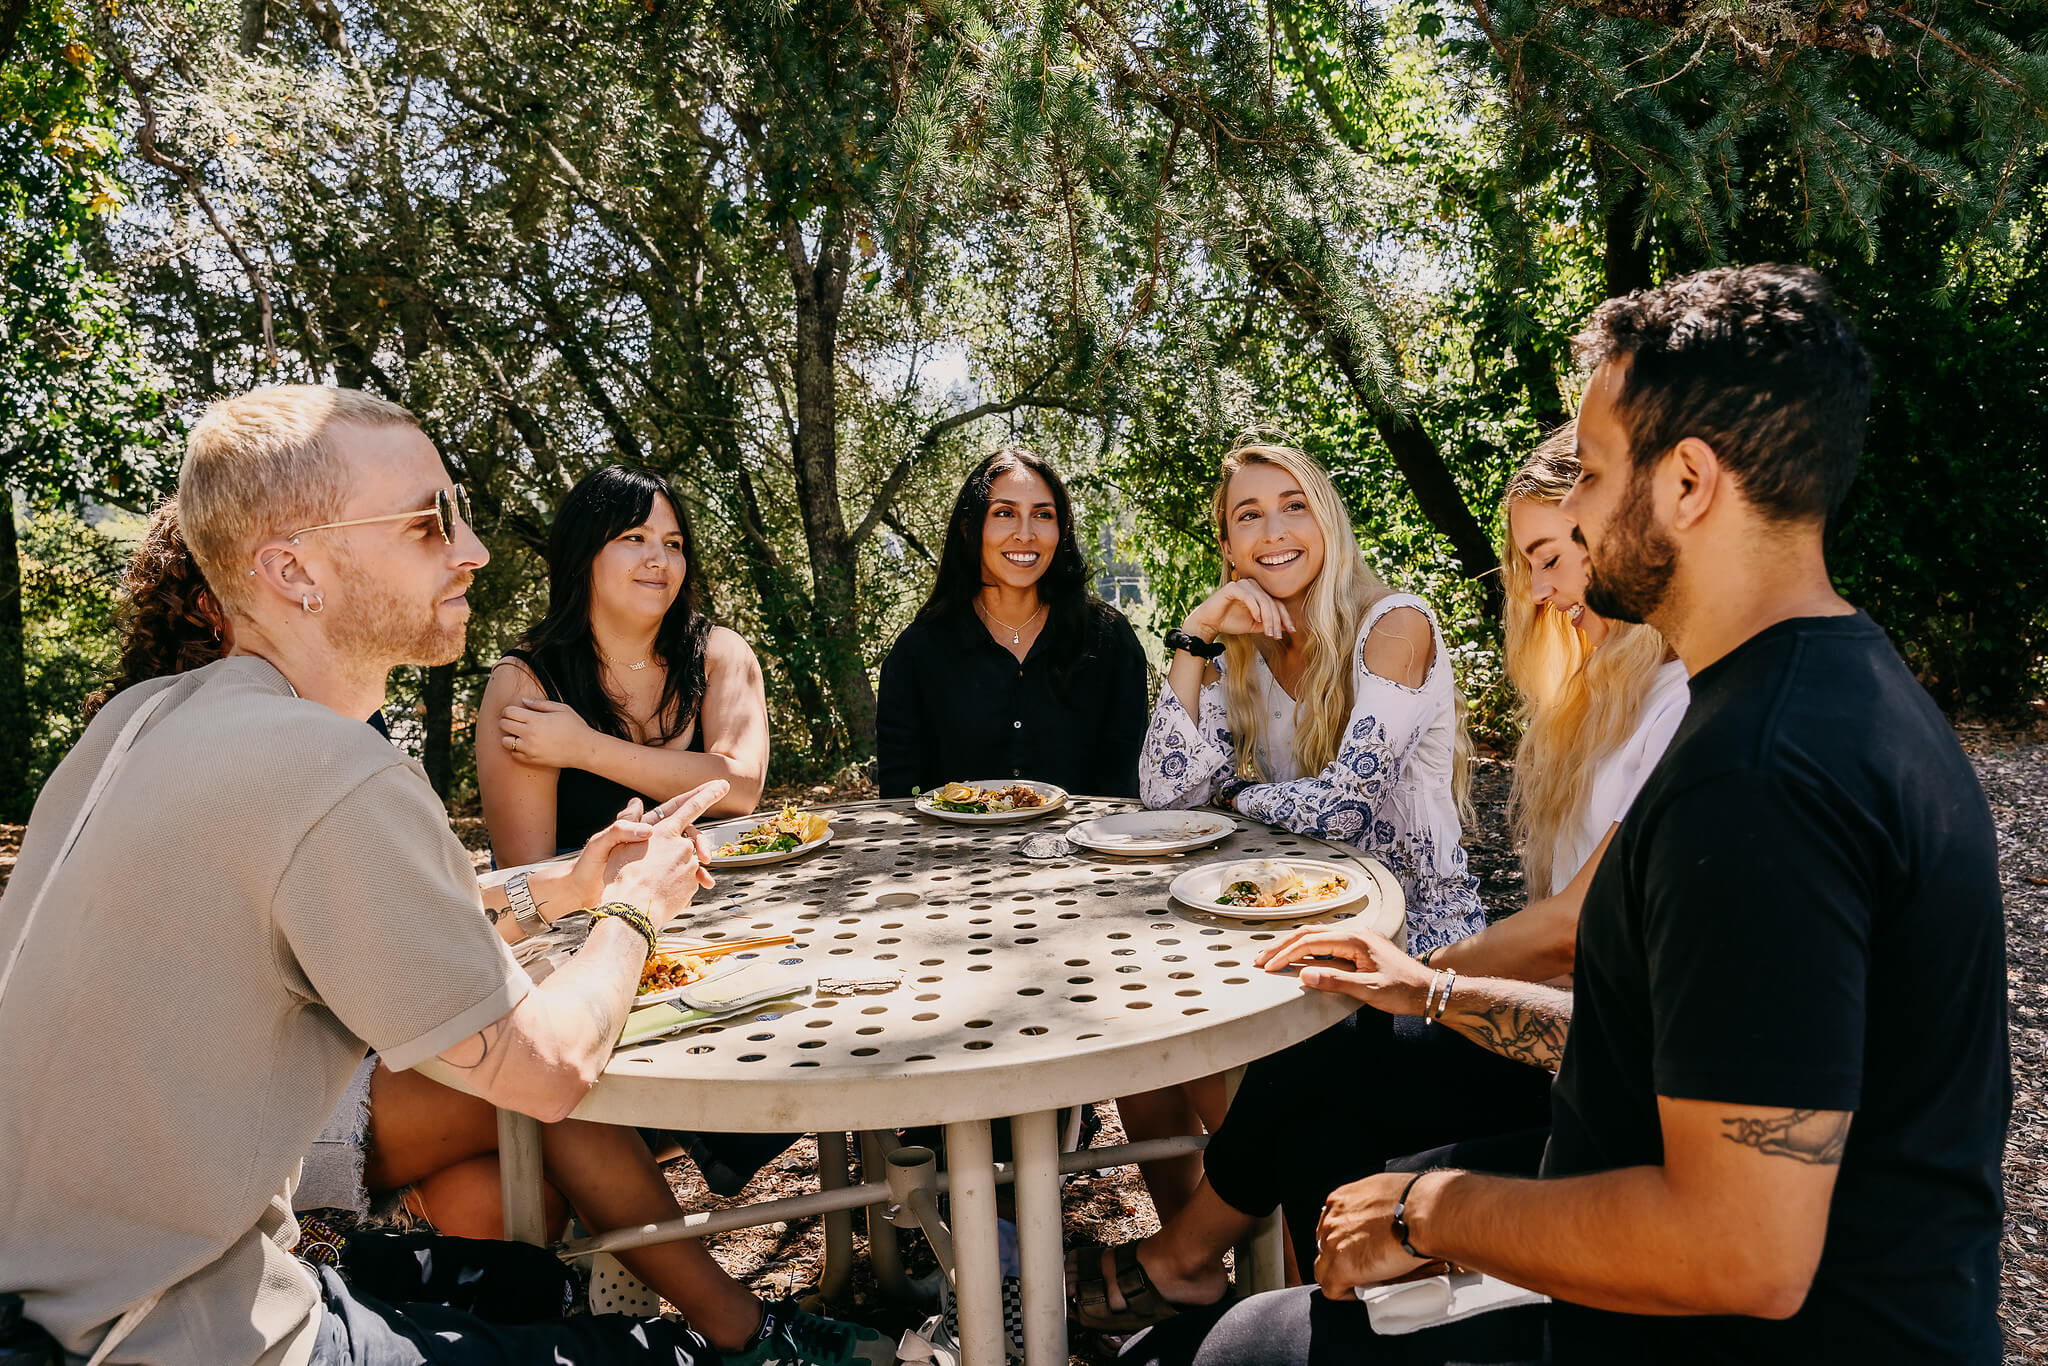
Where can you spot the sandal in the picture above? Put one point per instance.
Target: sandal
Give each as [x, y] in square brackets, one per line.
[1143, 1304]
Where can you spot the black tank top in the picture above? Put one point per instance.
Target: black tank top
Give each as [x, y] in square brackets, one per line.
[587, 802]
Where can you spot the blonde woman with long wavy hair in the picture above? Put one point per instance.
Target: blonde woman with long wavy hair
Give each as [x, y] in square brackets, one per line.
[1599, 703]
[1332, 709]
[1306, 693]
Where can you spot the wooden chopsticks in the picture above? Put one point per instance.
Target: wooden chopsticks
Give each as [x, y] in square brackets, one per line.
[736, 946]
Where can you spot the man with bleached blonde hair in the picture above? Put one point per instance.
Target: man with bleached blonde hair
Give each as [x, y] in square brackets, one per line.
[232, 888]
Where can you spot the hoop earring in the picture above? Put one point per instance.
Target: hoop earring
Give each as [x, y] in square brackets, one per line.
[312, 604]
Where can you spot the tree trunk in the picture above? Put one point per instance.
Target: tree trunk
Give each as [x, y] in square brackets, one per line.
[16, 796]
[819, 289]
[437, 748]
[1415, 452]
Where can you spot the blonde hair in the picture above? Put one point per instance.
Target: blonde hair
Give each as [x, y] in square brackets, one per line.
[264, 463]
[1576, 704]
[1336, 602]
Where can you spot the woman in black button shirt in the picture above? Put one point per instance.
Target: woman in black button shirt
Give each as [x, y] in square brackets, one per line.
[1013, 669]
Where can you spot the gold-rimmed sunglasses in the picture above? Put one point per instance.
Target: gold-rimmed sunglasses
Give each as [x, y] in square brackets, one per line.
[451, 505]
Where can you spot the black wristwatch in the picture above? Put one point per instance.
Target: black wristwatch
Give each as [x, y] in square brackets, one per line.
[1178, 639]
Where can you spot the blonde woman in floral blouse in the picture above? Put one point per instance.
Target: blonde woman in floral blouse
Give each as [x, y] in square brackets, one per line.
[1306, 693]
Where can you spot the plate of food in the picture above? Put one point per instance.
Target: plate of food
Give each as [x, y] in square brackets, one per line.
[787, 834]
[1272, 889]
[1152, 832]
[993, 802]
[666, 976]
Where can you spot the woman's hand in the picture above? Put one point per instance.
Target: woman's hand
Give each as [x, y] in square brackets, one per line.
[1240, 608]
[1380, 975]
[546, 734]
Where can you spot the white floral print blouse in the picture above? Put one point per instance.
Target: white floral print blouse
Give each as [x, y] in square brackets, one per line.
[1387, 793]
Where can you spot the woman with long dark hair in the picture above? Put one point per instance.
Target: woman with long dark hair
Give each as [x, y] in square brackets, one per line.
[624, 688]
[1013, 668]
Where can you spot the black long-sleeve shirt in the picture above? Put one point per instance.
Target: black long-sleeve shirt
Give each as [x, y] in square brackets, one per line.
[957, 707]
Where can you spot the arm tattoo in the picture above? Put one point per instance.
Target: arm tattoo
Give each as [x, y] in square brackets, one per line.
[482, 1041]
[1526, 1023]
[1815, 1137]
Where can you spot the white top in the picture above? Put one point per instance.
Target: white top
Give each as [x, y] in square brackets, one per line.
[1618, 777]
[1387, 793]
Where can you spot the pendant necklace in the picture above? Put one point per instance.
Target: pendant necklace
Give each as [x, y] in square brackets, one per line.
[637, 667]
[1016, 632]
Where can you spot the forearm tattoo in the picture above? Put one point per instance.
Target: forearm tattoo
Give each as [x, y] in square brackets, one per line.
[1529, 1024]
[1815, 1137]
[480, 1042]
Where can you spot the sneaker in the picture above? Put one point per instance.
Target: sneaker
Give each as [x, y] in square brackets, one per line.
[790, 1337]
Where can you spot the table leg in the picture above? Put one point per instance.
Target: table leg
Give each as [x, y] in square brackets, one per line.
[519, 1178]
[836, 1280]
[1263, 1251]
[1035, 1144]
[884, 1255]
[977, 1269]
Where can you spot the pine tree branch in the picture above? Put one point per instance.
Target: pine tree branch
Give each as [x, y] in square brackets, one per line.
[1756, 27]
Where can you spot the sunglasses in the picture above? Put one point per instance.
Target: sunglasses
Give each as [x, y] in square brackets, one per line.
[451, 505]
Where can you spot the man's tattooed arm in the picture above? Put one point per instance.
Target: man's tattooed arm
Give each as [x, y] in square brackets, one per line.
[541, 1057]
[1815, 1137]
[1517, 1020]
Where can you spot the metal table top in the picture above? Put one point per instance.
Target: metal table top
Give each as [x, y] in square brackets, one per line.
[1027, 985]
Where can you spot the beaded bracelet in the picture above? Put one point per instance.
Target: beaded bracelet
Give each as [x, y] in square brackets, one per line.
[633, 916]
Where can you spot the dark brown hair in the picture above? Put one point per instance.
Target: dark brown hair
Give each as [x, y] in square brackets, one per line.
[1760, 363]
[170, 619]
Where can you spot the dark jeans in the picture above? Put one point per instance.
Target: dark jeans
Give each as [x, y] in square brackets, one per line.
[1299, 1327]
[356, 1330]
[1342, 1105]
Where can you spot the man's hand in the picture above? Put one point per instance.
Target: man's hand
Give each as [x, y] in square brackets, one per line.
[661, 873]
[546, 734]
[1355, 1242]
[588, 874]
[1379, 974]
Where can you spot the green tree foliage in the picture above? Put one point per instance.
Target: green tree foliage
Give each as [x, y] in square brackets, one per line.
[811, 260]
[81, 408]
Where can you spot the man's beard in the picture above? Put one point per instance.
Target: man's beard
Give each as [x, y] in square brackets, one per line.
[1630, 576]
[384, 628]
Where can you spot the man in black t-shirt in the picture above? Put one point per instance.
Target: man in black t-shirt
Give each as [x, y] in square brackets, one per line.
[1779, 1121]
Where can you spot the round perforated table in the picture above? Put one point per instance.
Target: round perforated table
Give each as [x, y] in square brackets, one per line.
[1026, 986]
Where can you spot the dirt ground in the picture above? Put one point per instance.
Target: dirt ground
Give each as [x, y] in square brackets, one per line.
[1112, 1207]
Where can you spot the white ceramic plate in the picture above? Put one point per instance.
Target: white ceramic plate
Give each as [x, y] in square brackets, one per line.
[655, 998]
[1152, 832]
[1055, 798]
[732, 830]
[1198, 889]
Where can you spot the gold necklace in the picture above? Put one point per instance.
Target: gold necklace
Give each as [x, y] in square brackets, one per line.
[1016, 632]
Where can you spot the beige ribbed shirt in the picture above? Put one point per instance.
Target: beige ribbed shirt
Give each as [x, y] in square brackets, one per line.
[266, 888]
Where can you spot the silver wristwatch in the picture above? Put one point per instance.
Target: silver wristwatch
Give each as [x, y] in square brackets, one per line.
[525, 914]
